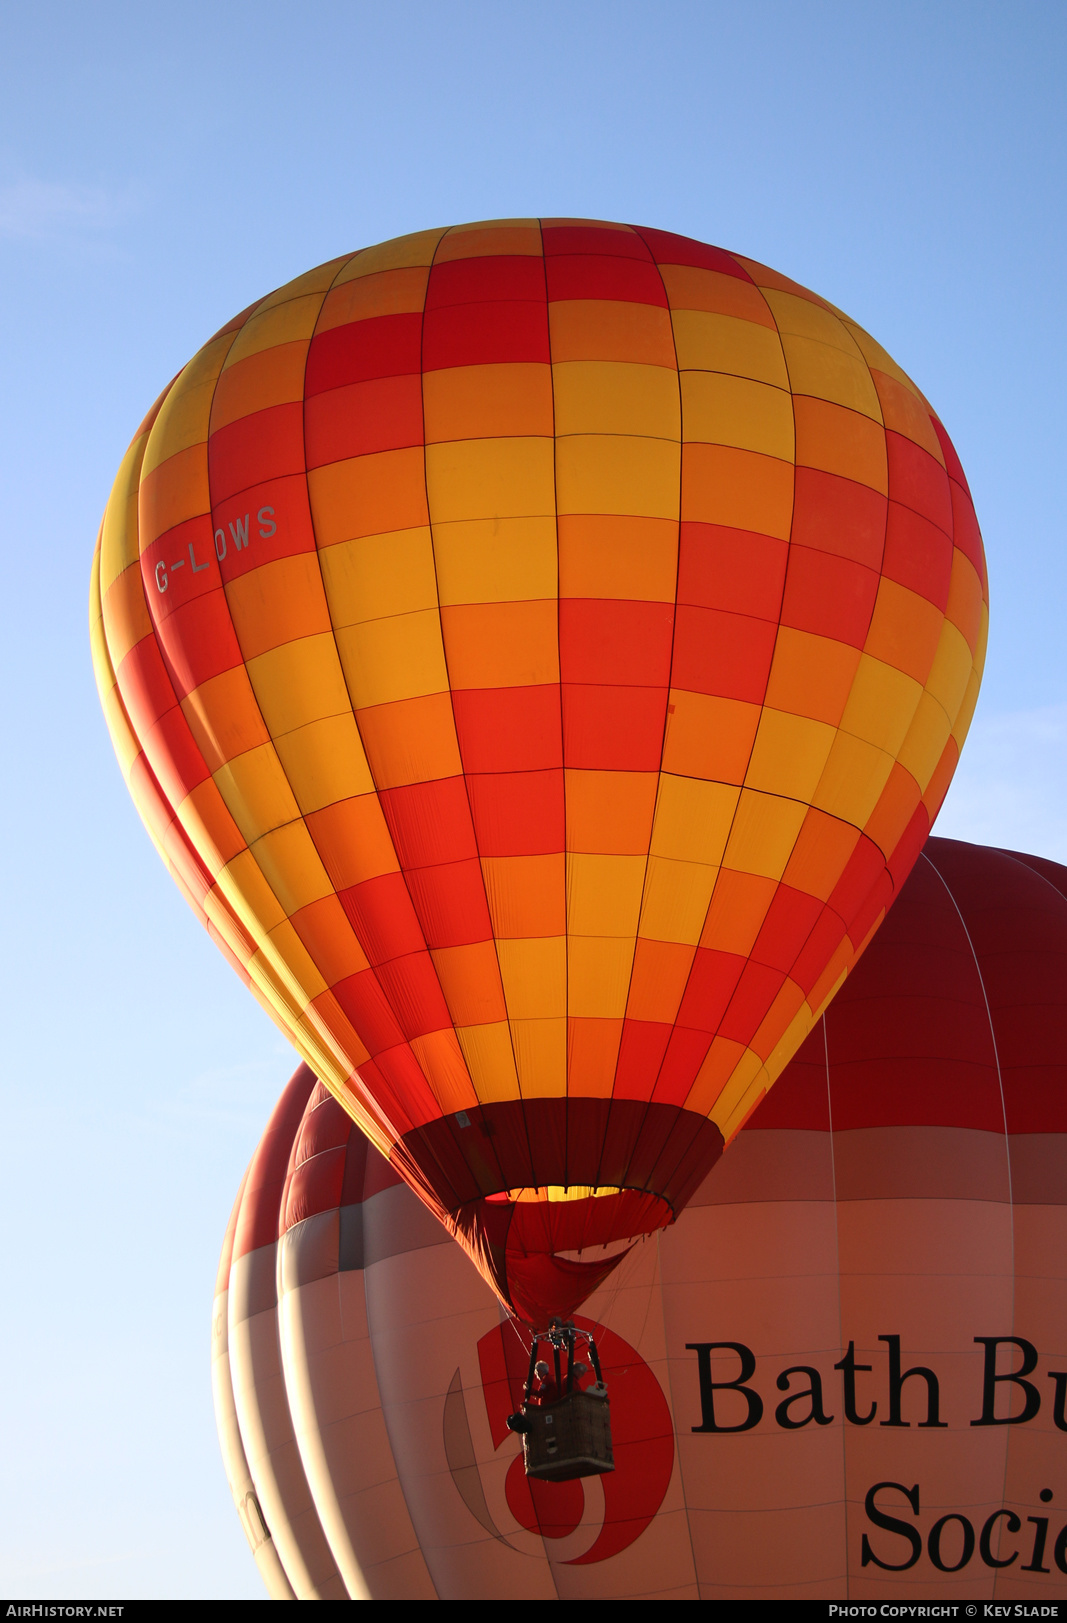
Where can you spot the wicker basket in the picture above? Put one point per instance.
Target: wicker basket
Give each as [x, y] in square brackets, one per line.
[569, 1438]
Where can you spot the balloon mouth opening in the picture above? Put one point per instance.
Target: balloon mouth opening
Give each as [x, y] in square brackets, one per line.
[552, 1194]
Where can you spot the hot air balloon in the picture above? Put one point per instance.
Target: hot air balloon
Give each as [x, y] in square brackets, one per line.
[841, 1374]
[539, 650]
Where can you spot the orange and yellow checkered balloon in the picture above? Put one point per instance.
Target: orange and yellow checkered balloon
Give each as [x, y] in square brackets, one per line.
[539, 650]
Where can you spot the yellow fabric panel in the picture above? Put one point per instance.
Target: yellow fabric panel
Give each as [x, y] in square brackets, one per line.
[270, 377]
[609, 812]
[397, 658]
[598, 976]
[951, 670]
[764, 832]
[727, 344]
[965, 605]
[798, 316]
[244, 889]
[490, 237]
[368, 495]
[415, 249]
[927, 737]
[855, 775]
[725, 1060]
[527, 895]
[206, 820]
[615, 397]
[676, 900]
[693, 819]
[293, 953]
[224, 718]
[490, 478]
[496, 645]
[709, 737]
[811, 675]
[443, 1065]
[541, 1057]
[118, 532]
[182, 420]
[789, 754]
[610, 330]
[905, 629]
[606, 473]
[839, 441]
[738, 908]
[496, 560]
[382, 293]
[962, 724]
[324, 762]
[618, 556]
[742, 489]
[877, 358]
[299, 682]
[277, 603]
[722, 410]
[125, 614]
[126, 746]
[469, 977]
[411, 741]
[603, 895]
[690, 287]
[487, 402]
[881, 705]
[379, 575]
[256, 792]
[534, 973]
[316, 280]
[490, 1059]
[905, 412]
[175, 491]
[830, 373]
[282, 323]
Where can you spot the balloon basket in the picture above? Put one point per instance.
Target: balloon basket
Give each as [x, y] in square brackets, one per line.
[570, 1438]
[565, 1419]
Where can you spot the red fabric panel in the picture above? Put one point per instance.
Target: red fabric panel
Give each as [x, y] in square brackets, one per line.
[614, 729]
[736, 570]
[833, 597]
[481, 279]
[917, 554]
[724, 654]
[450, 902]
[518, 814]
[615, 641]
[382, 915]
[429, 822]
[478, 334]
[587, 239]
[508, 729]
[670, 249]
[600, 276]
[265, 445]
[257, 1220]
[362, 418]
[383, 347]
[918, 480]
[833, 514]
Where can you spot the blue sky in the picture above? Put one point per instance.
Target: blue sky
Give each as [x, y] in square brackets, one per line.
[160, 167]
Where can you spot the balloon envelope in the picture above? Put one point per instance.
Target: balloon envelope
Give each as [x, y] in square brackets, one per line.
[539, 649]
[901, 1195]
